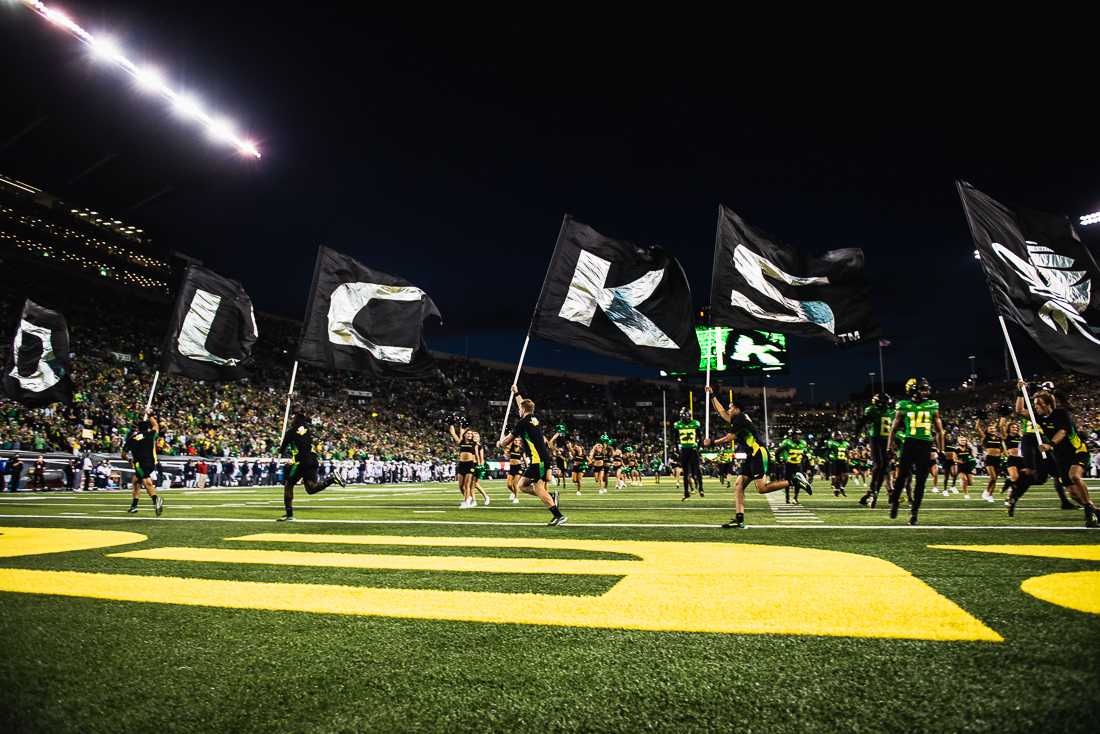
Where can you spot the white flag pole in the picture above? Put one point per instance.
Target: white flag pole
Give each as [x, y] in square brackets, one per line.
[515, 381]
[289, 393]
[1020, 377]
[767, 436]
[706, 420]
[527, 339]
[664, 422]
[881, 369]
[152, 390]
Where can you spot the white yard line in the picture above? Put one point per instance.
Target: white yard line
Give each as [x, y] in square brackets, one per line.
[571, 524]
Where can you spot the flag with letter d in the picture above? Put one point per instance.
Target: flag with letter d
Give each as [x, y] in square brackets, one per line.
[619, 299]
[1040, 275]
[365, 320]
[37, 370]
[213, 328]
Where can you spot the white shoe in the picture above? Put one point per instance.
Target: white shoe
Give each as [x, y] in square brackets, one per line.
[988, 497]
[966, 497]
[464, 505]
[578, 493]
[515, 500]
[486, 503]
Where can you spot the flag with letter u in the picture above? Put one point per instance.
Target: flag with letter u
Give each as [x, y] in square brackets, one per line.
[1040, 276]
[37, 371]
[759, 283]
[365, 320]
[213, 328]
[619, 299]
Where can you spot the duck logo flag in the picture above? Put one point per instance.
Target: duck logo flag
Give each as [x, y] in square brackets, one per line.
[1040, 276]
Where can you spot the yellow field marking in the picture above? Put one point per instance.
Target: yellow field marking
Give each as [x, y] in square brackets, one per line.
[471, 564]
[1078, 590]
[681, 587]
[1073, 552]
[36, 541]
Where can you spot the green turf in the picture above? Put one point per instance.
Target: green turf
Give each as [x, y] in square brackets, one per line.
[73, 664]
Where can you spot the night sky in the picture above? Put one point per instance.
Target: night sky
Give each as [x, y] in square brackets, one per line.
[446, 147]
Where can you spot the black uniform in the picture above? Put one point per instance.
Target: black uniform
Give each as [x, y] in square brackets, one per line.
[142, 447]
[534, 447]
[298, 441]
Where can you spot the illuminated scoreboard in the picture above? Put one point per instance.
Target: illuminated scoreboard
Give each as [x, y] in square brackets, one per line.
[741, 351]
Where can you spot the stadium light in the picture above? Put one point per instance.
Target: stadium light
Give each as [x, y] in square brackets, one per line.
[1088, 219]
[977, 255]
[148, 78]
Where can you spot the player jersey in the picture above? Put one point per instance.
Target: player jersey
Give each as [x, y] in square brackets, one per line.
[687, 433]
[142, 445]
[838, 450]
[879, 420]
[534, 445]
[793, 450]
[1060, 420]
[919, 418]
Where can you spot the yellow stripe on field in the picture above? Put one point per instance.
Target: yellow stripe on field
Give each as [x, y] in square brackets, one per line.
[1073, 552]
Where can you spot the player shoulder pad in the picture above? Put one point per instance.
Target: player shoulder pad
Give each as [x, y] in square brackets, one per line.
[302, 430]
[534, 421]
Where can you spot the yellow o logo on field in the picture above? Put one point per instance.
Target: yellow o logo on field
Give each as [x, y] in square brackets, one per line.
[663, 586]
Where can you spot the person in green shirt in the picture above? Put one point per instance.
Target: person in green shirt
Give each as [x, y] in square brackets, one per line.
[687, 437]
[878, 417]
[838, 462]
[919, 415]
[793, 453]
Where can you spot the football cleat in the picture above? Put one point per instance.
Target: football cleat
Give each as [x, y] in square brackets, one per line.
[158, 503]
[133, 508]
[734, 524]
[286, 518]
[559, 520]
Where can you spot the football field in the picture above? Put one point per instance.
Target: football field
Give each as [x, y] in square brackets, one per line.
[389, 608]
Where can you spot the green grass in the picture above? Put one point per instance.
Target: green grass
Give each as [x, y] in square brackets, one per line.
[75, 664]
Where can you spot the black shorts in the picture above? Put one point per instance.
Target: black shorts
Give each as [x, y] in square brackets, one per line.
[755, 466]
[1064, 461]
[1017, 462]
[598, 468]
[993, 461]
[515, 469]
[840, 466]
[560, 462]
[789, 470]
[465, 467]
[303, 472]
[143, 469]
[536, 472]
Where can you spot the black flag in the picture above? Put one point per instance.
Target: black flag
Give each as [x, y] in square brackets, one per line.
[37, 371]
[1040, 275]
[759, 283]
[213, 328]
[618, 299]
[365, 320]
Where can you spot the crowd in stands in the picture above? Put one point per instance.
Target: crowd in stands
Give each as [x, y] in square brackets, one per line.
[115, 342]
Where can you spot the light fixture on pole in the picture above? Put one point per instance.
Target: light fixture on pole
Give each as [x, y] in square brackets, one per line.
[1088, 219]
[812, 391]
